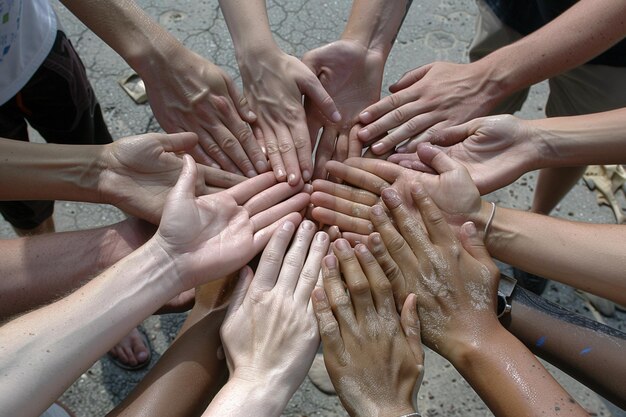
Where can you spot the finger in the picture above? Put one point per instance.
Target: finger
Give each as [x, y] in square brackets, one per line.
[409, 226]
[261, 237]
[410, 78]
[380, 286]
[341, 148]
[240, 102]
[334, 232]
[475, 246]
[344, 222]
[381, 169]
[185, 187]
[329, 328]
[201, 157]
[354, 238]
[346, 192]
[247, 189]
[410, 161]
[295, 257]
[357, 176]
[340, 205]
[312, 267]
[390, 268]
[271, 260]
[336, 292]
[273, 154]
[410, 322]
[408, 129]
[288, 153]
[355, 146]
[311, 87]
[358, 285]
[292, 205]
[177, 142]
[210, 146]
[438, 229]
[271, 196]
[302, 143]
[219, 178]
[240, 290]
[324, 152]
[437, 159]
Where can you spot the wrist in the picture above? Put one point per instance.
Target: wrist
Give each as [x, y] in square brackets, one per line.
[481, 217]
[467, 351]
[494, 80]
[268, 394]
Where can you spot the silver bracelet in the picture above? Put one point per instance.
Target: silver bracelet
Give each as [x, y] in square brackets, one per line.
[415, 414]
[491, 216]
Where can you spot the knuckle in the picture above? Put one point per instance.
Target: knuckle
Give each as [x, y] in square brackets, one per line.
[412, 125]
[244, 134]
[229, 143]
[396, 244]
[360, 287]
[300, 143]
[398, 115]
[272, 148]
[395, 101]
[340, 301]
[285, 147]
[329, 328]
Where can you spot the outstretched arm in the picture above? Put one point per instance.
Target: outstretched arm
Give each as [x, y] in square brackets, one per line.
[351, 70]
[444, 94]
[186, 91]
[274, 84]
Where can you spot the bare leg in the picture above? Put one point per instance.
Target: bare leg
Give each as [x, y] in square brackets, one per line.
[190, 372]
[552, 185]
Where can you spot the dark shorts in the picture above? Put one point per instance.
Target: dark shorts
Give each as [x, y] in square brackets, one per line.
[60, 104]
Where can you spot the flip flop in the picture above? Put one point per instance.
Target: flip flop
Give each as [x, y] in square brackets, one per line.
[117, 362]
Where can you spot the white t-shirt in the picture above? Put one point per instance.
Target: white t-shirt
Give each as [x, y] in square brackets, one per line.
[27, 32]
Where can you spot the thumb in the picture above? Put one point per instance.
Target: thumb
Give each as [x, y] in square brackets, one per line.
[240, 291]
[409, 78]
[437, 158]
[450, 135]
[411, 326]
[178, 142]
[475, 245]
[241, 102]
[312, 87]
[185, 188]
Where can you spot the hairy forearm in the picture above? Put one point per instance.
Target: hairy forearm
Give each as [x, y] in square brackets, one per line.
[32, 171]
[375, 24]
[581, 33]
[57, 342]
[248, 25]
[583, 255]
[587, 350]
[592, 139]
[126, 28]
[510, 380]
[36, 270]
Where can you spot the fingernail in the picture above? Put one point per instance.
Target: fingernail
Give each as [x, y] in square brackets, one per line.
[291, 179]
[251, 115]
[321, 237]
[401, 149]
[330, 262]
[281, 173]
[307, 225]
[376, 240]
[377, 148]
[364, 134]
[362, 249]
[320, 295]
[251, 173]
[365, 117]
[243, 272]
[306, 175]
[336, 117]
[391, 198]
[288, 226]
[377, 210]
[470, 228]
[342, 245]
[260, 166]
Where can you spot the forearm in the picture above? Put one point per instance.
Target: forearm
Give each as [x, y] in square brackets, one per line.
[249, 26]
[584, 255]
[375, 24]
[126, 28]
[510, 380]
[593, 139]
[49, 171]
[60, 341]
[581, 33]
[268, 397]
[38, 269]
[587, 350]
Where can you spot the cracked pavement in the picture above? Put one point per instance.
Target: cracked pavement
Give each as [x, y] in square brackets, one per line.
[433, 30]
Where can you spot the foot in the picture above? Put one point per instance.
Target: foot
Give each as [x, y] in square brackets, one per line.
[131, 351]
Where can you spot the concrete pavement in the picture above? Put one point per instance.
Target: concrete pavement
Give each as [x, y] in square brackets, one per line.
[433, 30]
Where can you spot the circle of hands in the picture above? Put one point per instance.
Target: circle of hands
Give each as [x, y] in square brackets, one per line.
[395, 261]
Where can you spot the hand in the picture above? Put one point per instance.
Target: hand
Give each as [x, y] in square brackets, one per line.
[274, 83]
[211, 236]
[455, 281]
[429, 97]
[374, 358]
[496, 150]
[189, 93]
[140, 170]
[270, 335]
[181, 303]
[352, 75]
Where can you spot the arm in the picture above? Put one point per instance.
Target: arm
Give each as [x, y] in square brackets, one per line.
[270, 334]
[443, 94]
[374, 358]
[497, 150]
[351, 70]
[587, 350]
[455, 282]
[134, 174]
[186, 91]
[221, 232]
[37, 269]
[274, 83]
